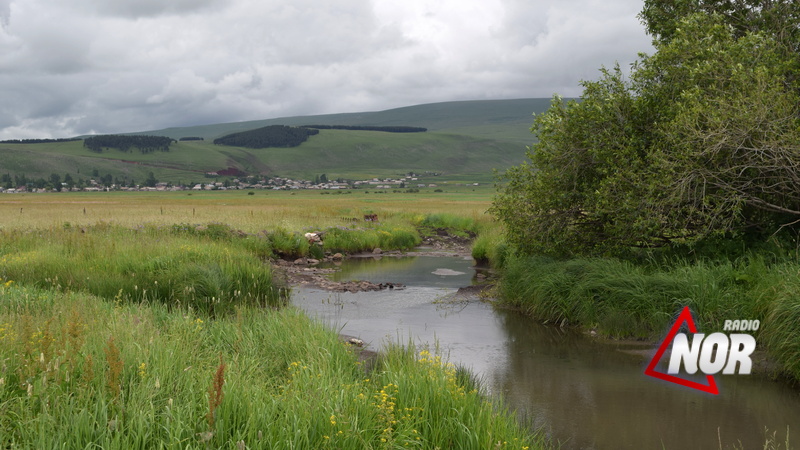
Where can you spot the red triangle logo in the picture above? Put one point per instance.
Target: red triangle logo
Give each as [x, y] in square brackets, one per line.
[684, 317]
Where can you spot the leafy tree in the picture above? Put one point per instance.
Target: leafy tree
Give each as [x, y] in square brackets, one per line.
[776, 18]
[151, 180]
[69, 181]
[55, 181]
[703, 140]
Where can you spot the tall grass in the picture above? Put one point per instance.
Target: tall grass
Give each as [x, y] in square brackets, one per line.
[78, 371]
[455, 224]
[142, 265]
[780, 330]
[490, 246]
[623, 300]
[358, 239]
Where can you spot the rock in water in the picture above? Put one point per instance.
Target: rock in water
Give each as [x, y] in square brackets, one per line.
[447, 272]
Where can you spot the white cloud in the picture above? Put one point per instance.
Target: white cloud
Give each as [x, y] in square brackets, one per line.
[69, 68]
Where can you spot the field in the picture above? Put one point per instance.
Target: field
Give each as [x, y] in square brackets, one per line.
[151, 321]
[295, 211]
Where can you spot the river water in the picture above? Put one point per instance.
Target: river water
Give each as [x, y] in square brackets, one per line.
[582, 392]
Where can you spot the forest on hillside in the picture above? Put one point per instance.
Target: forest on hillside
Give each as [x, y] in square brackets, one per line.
[269, 136]
[387, 129]
[38, 141]
[124, 143]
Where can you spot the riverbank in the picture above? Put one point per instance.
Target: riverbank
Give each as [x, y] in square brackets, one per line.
[620, 300]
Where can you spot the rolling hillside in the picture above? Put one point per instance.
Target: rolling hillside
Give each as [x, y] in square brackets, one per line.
[465, 139]
[506, 120]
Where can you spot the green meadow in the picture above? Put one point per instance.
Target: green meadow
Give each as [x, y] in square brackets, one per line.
[155, 321]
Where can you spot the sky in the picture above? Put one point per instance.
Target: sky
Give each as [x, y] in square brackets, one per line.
[78, 67]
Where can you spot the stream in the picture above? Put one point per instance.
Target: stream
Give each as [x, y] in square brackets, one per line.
[584, 393]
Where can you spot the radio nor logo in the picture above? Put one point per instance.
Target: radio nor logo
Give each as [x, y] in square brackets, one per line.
[695, 352]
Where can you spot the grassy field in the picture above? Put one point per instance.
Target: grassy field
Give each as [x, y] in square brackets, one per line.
[297, 210]
[151, 321]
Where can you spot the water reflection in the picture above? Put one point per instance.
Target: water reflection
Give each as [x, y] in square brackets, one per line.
[418, 271]
[597, 396]
[586, 394]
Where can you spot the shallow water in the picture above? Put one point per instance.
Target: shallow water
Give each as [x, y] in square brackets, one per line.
[585, 394]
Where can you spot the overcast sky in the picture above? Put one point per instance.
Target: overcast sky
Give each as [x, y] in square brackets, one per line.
[70, 67]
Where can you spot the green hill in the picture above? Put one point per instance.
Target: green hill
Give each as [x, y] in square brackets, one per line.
[464, 139]
[508, 120]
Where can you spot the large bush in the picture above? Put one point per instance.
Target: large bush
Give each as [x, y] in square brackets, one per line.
[702, 140]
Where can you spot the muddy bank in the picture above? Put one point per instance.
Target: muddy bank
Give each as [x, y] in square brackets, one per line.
[303, 272]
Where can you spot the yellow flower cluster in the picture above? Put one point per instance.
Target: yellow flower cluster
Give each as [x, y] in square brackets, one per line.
[295, 368]
[142, 370]
[5, 283]
[385, 403]
[296, 365]
[7, 332]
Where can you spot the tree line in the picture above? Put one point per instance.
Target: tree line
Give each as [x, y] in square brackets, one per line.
[269, 136]
[57, 182]
[388, 129]
[124, 143]
[38, 141]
